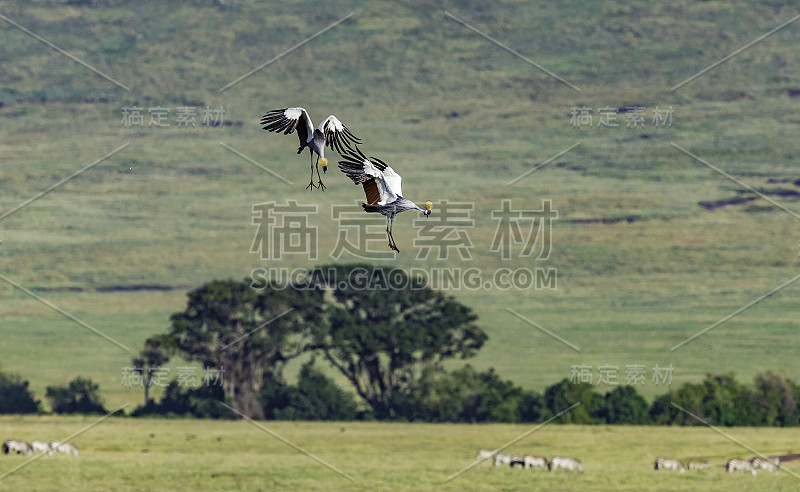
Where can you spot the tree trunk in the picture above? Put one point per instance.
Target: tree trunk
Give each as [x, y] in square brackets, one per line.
[247, 402]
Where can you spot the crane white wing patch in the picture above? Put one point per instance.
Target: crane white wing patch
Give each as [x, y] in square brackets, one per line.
[287, 121]
[337, 136]
[294, 113]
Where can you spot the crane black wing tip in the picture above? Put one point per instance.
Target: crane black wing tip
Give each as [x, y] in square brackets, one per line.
[273, 113]
[350, 136]
[355, 154]
[272, 119]
[353, 165]
[378, 163]
[275, 126]
[339, 141]
[352, 146]
[349, 165]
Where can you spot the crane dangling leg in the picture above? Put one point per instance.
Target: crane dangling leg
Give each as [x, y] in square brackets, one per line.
[392, 244]
[311, 182]
[321, 185]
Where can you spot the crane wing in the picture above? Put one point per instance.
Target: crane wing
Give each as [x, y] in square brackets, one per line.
[288, 120]
[381, 184]
[337, 136]
[371, 191]
[392, 179]
[353, 166]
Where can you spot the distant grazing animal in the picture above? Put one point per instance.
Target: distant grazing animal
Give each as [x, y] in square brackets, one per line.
[532, 461]
[17, 447]
[331, 133]
[770, 464]
[484, 454]
[502, 458]
[63, 447]
[40, 447]
[668, 464]
[735, 464]
[570, 464]
[698, 465]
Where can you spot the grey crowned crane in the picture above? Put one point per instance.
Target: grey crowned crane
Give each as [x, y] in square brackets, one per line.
[331, 133]
[381, 187]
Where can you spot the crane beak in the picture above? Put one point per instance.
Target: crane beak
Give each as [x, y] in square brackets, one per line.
[324, 163]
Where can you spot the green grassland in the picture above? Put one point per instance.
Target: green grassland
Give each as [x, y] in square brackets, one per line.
[640, 264]
[159, 454]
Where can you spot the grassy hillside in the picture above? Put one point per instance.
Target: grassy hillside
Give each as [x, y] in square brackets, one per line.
[650, 245]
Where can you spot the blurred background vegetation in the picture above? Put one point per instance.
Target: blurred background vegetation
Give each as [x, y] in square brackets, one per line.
[642, 260]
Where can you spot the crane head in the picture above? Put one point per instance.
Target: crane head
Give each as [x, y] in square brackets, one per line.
[324, 163]
[428, 207]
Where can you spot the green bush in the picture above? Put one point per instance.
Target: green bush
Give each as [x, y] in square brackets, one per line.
[80, 396]
[721, 400]
[466, 395]
[564, 394]
[623, 405]
[315, 397]
[15, 397]
[201, 402]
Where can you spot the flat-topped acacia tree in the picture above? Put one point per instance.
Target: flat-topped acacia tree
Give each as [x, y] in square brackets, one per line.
[381, 328]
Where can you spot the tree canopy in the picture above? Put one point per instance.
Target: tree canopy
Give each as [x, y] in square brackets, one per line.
[383, 328]
[156, 352]
[388, 334]
[245, 333]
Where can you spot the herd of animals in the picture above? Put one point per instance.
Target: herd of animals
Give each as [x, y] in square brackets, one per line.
[530, 461]
[769, 464]
[14, 446]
